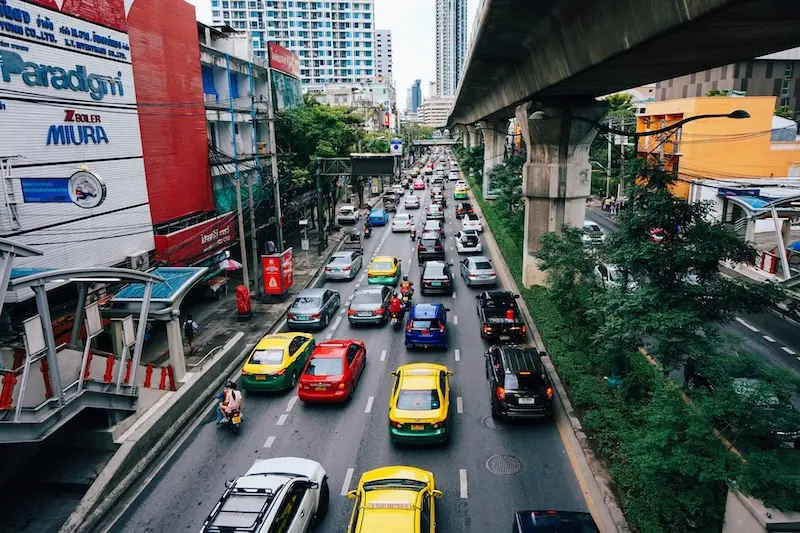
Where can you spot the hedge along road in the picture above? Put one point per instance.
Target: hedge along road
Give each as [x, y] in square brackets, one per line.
[351, 439]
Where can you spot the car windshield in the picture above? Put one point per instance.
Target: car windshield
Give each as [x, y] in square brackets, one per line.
[434, 270]
[418, 400]
[267, 357]
[593, 228]
[324, 366]
[366, 298]
[307, 302]
[616, 274]
[382, 265]
[483, 265]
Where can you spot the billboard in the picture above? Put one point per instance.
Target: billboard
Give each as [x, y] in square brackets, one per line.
[282, 59]
[196, 243]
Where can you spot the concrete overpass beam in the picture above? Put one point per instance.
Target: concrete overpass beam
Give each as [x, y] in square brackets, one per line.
[556, 179]
[494, 144]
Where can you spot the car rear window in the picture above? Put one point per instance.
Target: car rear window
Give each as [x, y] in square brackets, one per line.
[324, 366]
[382, 265]
[307, 302]
[527, 380]
[483, 265]
[424, 324]
[418, 400]
[362, 298]
[346, 211]
[428, 243]
[471, 216]
[267, 357]
[434, 271]
[339, 260]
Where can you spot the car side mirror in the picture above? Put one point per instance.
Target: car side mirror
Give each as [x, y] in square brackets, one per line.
[450, 374]
[542, 354]
[516, 296]
[394, 374]
[313, 485]
[486, 354]
[229, 483]
[351, 494]
[437, 494]
[447, 309]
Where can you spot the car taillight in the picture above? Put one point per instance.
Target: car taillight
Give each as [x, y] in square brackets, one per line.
[346, 269]
[438, 246]
[549, 393]
[408, 328]
[420, 247]
[487, 328]
[501, 393]
[292, 316]
[524, 328]
[280, 372]
[441, 329]
[380, 311]
[439, 425]
[342, 386]
[316, 316]
[425, 282]
[328, 269]
[472, 276]
[351, 312]
[397, 425]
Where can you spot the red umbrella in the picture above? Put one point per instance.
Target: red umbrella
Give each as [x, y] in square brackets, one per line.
[229, 264]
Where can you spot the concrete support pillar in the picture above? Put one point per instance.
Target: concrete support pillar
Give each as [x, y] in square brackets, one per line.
[494, 145]
[472, 135]
[175, 342]
[556, 179]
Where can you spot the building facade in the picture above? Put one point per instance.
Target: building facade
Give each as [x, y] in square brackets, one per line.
[451, 44]
[377, 102]
[383, 50]
[415, 96]
[334, 40]
[284, 73]
[435, 111]
[760, 147]
[775, 75]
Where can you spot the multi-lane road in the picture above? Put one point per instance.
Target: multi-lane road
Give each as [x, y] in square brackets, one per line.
[769, 335]
[487, 471]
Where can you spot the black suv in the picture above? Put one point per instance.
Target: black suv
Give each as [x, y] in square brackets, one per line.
[519, 386]
[436, 278]
[430, 247]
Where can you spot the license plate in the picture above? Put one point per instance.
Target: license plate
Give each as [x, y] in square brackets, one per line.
[237, 420]
[417, 427]
[527, 401]
[301, 318]
[337, 269]
[505, 337]
[364, 313]
[261, 378]
[436, 284]
[320, 388]
[426, 332]
[484, 276]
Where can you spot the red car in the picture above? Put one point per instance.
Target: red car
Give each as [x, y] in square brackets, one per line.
[419, 185]
[332, 371]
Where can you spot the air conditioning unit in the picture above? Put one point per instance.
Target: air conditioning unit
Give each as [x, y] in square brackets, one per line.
[139, 261]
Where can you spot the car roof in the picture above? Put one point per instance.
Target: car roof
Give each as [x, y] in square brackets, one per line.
[343, 253]
[520, 358]
[370, 290]
[383, 258]
[437, 222]
[389, 510]
[278, 340]
[332, 348]
[426, 311]
[561, 521]
[476, 258]
[311, 293]
[347, 207]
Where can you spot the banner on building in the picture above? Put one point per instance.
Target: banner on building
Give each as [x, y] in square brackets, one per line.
[282, 59]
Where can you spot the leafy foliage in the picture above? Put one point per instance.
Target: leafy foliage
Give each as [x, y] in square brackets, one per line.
[718, 92]
[471, 160]
[506, 180]
[785, 111]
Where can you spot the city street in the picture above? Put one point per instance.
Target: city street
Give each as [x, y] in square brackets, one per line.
[532, 470]
[768, 335]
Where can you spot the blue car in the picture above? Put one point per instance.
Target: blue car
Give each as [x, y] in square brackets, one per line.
[427, 326]
[379, 217]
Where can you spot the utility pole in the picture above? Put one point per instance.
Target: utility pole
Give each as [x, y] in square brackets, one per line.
[621, 184]
[608, 166]
[273, 150]
[322, 242]
[250, 200]
[239, 213]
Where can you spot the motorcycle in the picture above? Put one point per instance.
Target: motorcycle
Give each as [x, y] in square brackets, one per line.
[234, 421]
[395, 320]
[367, 232]
[413, 234]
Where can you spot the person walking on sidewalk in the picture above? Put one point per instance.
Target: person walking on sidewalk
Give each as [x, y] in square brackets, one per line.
[190, 329]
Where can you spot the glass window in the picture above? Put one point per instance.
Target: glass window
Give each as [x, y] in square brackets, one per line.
[418, 400]
[382, 265]
[368, 298]
[267, 357]
[305, 302]
[325, 366]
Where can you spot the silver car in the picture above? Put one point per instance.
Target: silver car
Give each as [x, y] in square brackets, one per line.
[478, 270]
[313, 309]
[411, 201]
[435, 212]
[370, 305]
[344, 265]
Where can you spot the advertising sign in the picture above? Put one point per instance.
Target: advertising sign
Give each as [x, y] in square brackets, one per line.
[278, 270]
[396, 147]
[282, 59]
[45, 190]
[195, 243]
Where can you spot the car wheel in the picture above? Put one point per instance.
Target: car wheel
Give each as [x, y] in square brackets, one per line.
[294, 380]
[324, 499]
[325, 319]
[495, 414]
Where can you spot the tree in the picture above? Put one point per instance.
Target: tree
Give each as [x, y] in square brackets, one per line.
[785, 111]
[620, 105]
[718, 92]
[621, 116]
[506, 179]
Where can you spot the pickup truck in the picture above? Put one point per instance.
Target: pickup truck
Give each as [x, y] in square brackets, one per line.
[500, 316]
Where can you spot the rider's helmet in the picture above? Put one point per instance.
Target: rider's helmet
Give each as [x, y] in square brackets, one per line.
[394, 294]
[230, 385]
[405, 278]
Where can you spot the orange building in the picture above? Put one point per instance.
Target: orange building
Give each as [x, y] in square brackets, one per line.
[762, 146]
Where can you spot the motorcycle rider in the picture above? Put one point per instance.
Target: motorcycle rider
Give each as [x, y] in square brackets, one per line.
[413, 233]
[231, 401]
[406, 287]
[396, 305]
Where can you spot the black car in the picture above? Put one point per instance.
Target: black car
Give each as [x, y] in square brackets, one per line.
[553, 521]
[519, 386]
[430, 247]
[436, 278]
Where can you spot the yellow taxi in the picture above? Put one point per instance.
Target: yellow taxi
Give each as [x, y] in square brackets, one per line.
[383, 270]
[460, 192]
[419, 407]
[394, 499]
[277, 362]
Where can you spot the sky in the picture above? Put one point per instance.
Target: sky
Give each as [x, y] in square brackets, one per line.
[413, 25]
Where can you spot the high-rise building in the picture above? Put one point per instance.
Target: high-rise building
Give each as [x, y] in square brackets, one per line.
[451, 44]
[335, 41]
[415, 96]
[436, 110]
[383, 53]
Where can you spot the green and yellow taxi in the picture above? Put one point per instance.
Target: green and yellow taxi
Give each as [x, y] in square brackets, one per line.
[419, 406]
[460, 192]
[383, 270]
[394, 499]
[277, 362]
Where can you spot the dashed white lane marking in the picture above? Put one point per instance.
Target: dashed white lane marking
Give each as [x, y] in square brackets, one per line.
[383, 355]
[788, 350]
[269, 442]
[459, 405]
[370, 401]
[458, 355]
[337, 322]
[361, 279]
[292, 401]
[745, 324]
[454, 296]
[455, 320]
[462, 478]
[342, 311]
[329, 336]
[282, 419]
[768, 338]
[348, 477]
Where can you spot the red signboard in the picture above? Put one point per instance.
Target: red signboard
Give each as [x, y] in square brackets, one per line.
[278, 272]
[196, 243]
[282, 59]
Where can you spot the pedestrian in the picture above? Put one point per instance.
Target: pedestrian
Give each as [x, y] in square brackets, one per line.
[190, 329]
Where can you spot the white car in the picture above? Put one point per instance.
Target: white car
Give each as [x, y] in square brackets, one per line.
[607, 275]
[398, 189]
[402, 222]
[348, 214]
[592, 234]
[411, 201]
[471, 221]
[258, 500]
[454, 175]
[468, 242]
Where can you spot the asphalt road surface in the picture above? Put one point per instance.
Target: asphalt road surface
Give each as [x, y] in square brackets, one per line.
[768, 335]
[351, 439]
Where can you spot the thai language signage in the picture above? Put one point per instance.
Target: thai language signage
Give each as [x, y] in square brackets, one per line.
[282, 59]
[196, 243]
